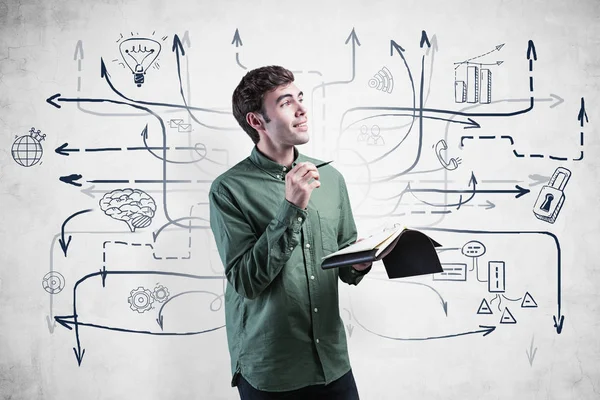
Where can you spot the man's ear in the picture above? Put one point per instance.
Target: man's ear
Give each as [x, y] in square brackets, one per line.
[255, 120]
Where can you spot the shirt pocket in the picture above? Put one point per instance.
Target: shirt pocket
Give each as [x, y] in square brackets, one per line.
[328, 224]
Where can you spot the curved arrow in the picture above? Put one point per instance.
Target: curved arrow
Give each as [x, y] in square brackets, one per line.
[444, 302]
[472, 182]
[149, 149]
[65, 244]
[160, 319]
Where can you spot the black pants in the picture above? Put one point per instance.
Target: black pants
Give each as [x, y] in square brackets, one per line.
[343, 388]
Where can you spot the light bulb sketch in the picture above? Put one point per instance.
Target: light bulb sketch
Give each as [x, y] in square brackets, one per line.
[139, 54]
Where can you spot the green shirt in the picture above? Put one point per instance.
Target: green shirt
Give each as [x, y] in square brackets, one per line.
[283, 323]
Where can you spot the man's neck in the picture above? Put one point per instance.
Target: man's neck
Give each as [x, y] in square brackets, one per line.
[283, 156]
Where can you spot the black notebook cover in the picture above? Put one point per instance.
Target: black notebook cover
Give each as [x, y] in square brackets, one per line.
[413, 254]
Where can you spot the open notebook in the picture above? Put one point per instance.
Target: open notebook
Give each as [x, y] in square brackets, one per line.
[411, 253]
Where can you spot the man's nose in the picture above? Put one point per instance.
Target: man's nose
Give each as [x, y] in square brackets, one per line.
[301, 109]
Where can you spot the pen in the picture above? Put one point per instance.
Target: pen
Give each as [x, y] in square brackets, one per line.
[324, 164]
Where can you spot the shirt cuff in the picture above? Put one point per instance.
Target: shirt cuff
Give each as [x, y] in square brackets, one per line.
[291, 216]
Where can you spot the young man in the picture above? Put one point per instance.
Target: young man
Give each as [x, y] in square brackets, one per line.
[274, 216]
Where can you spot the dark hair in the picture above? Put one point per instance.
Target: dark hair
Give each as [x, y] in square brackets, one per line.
[249, 94]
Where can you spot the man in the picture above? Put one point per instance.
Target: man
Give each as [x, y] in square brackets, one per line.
[274, 216]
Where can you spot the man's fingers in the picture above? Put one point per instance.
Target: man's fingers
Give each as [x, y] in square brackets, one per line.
[314, 184]
[303, 168]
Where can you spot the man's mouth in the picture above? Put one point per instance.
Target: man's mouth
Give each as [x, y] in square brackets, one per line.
[300, 125]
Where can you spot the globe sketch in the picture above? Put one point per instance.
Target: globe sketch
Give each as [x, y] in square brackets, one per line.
[27, 151]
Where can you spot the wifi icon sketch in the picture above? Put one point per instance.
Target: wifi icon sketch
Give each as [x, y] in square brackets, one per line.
[382, 80]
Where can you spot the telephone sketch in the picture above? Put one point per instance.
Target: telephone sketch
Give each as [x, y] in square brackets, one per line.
[450, 165]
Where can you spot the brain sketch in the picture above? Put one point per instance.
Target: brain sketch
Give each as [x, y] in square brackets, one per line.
[132, 206]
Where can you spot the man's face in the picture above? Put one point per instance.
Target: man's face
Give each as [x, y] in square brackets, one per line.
[288, 124]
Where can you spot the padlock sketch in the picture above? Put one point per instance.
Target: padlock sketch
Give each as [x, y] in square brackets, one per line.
[551, 197]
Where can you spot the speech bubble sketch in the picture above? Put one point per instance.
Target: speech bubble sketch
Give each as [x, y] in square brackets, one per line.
[133, 206]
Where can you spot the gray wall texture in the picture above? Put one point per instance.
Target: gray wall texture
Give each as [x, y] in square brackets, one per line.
[473, 120]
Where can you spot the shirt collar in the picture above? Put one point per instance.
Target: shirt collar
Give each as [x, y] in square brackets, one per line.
[271, 167]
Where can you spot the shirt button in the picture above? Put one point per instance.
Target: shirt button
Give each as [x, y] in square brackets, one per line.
[317, 340]
[278, 176]
[300, 219]
[316, 309]
[284, 169]
[312, 277]
[307, 245]
[291, 248]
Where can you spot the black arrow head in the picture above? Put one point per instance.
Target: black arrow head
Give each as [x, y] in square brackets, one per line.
[103, 71]
[424, 40]
[177, 45]
[50, 99]
[71, 179]
[522, 191]
[488, 329]
[559, 325]
[394, 45]
[159, 320]
[78, 355]
[59, 149]
[145, 132]
[531, 51]
[472, 124]
[473, 180]
[65, 246]
[445, 305]
[61, 320]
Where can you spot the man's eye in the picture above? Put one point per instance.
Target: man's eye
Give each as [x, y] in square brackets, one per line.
[285, 103]
[301, 100]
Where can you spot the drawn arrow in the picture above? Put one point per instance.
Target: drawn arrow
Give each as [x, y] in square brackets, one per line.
[65, 245]
[160, 319]
[518, 190]
[538, 179]
[78, 353]
[51, 324]
[350, 328]
[71, 179]
[496, 48]
[531, 353]
[531, 50]
[488, 205]
[355, 41]
[424, 40]
[63, 151]
[582, 114]
[68, 320]
[50, 100]
[177, 46]
[469, 123]
[186, 39]
[472, 182]
[444, 302]
[78, 51]
[237, 40]
[486, 330]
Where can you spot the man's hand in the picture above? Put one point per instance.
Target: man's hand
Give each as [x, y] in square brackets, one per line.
[362, 267]
[297, 186]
